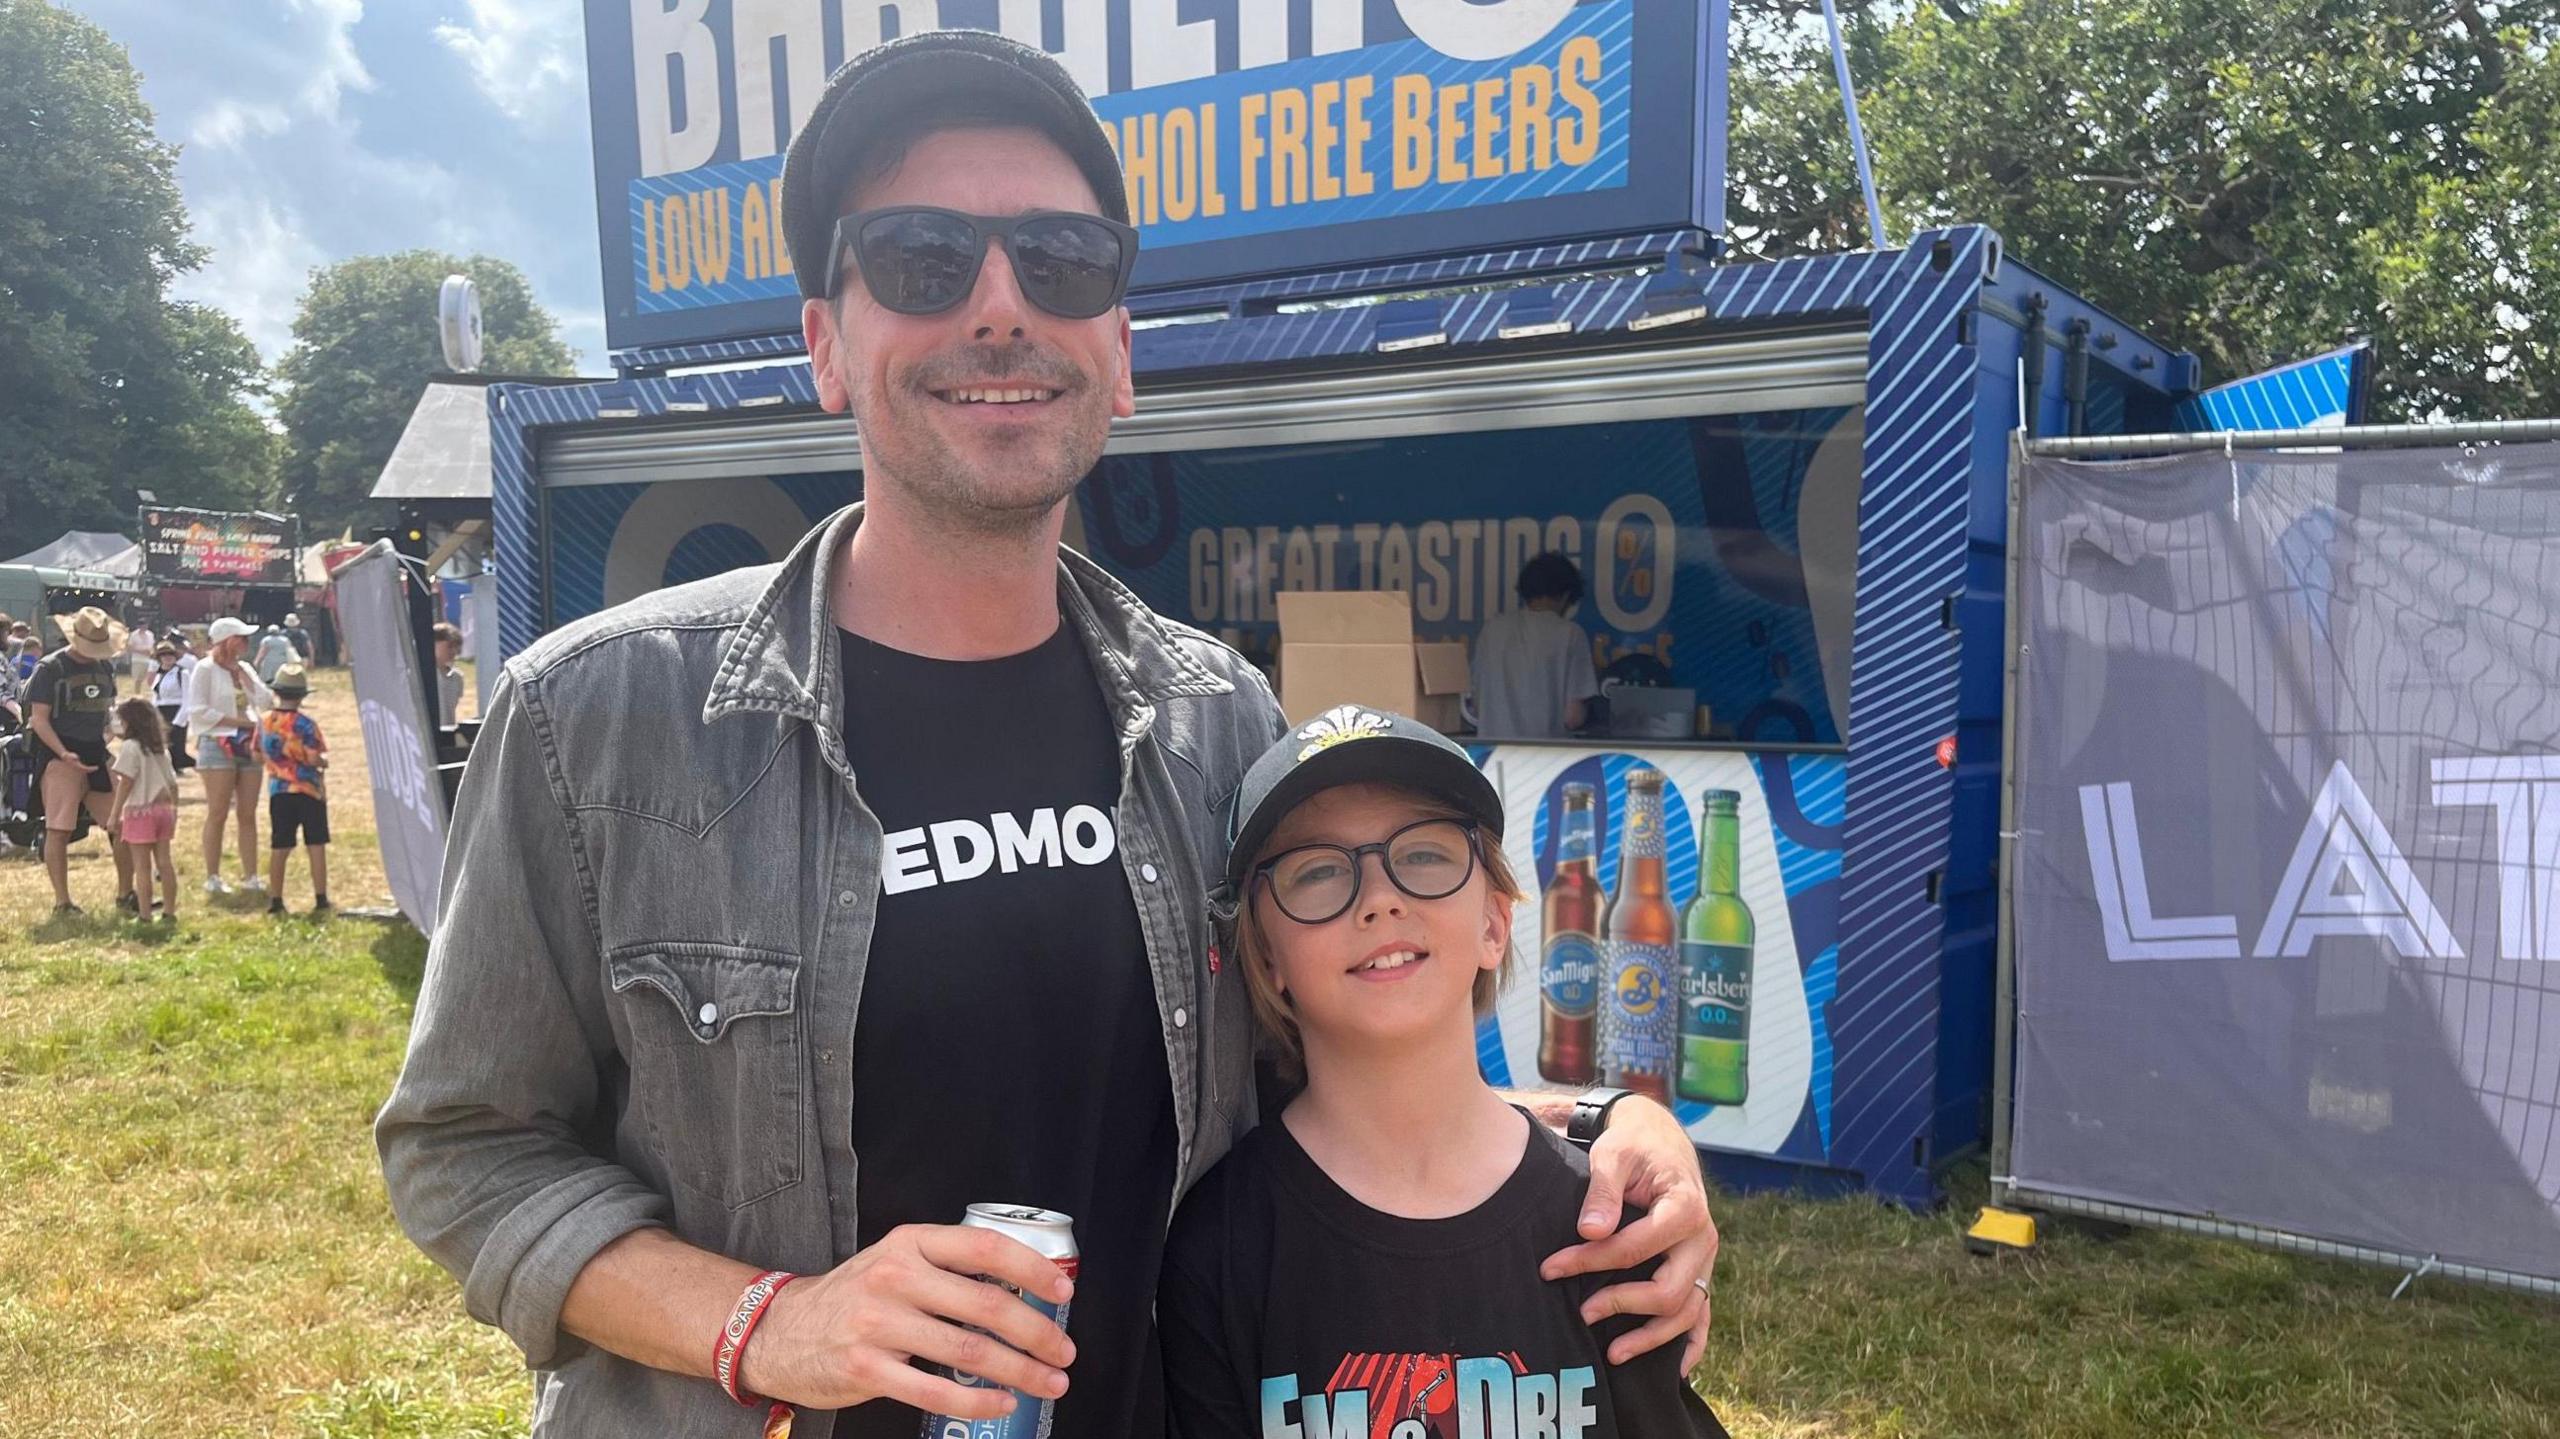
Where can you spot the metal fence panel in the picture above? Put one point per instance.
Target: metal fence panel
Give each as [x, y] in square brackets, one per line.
[2285, 882]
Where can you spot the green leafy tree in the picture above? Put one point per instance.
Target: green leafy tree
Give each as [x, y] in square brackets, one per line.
[364, 346]
[2254, 183]
[106, 385]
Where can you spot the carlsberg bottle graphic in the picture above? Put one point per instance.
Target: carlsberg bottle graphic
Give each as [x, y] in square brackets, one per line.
[1715, 963]
[1569, 962]
[1639, 996]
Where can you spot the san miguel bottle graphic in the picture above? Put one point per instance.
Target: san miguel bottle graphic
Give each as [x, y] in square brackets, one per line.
[1716, 938]
[1569, 962]
[1639, 1000]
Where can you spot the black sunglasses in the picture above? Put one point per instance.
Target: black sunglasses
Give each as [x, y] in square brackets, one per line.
[1427, 859]
[917, 260]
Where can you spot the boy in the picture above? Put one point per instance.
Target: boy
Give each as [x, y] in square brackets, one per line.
[297, 798]
[1368, 1264]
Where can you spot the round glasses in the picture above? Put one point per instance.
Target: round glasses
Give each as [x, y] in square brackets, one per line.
[1427, 859]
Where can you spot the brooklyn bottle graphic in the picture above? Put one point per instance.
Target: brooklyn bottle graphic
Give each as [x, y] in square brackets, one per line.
[1569, 962]
[1639, 1001]
[1715, 962]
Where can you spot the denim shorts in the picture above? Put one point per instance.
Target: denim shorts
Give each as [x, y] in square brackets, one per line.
[213, 753]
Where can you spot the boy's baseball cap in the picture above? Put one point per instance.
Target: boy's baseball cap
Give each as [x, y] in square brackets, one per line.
[291, 680]
[972, 76]
[1353, 744]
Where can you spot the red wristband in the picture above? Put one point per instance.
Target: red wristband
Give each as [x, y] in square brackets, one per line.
[728, 1356]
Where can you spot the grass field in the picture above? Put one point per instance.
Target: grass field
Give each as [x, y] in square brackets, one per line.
[194, 1240]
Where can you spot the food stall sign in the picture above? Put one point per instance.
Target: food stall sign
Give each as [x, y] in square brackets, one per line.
[1259, 139]
[220, 547]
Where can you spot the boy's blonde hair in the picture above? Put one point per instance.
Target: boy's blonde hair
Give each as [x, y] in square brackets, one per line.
[1271, 1008]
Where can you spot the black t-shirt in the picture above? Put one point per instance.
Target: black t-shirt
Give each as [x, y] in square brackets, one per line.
[82, 693]
[1290, 1308]
[1008, 1047]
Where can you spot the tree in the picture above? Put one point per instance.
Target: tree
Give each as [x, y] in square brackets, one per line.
[105, 384]
[2253, 183]
[364, 346]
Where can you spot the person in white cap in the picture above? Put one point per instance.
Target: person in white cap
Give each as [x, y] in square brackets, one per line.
[224, 696]
[68, 700]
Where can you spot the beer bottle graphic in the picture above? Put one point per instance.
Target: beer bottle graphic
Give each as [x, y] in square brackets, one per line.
[1716, 937]
[1640, 999]
[1569, 961]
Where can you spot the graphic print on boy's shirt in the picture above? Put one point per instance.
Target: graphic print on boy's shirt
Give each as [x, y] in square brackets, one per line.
[1434, 1396]
[1290, 1310]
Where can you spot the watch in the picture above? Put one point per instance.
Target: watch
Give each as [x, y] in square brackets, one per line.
[1591, 1115]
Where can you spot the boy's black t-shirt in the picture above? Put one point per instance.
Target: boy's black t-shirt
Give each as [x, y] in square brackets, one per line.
[1291, 1310]
[1008, 1047]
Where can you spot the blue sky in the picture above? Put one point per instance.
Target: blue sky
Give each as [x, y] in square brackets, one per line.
[312, 130]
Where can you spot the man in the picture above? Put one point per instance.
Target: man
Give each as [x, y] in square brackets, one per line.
[448, 675]
[69, 699]
[299, 637]
[1531, 675]
[790, 911]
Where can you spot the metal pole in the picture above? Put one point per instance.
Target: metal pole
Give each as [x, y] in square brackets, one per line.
[2005, 941]
[2464, 432]
[1857, 132]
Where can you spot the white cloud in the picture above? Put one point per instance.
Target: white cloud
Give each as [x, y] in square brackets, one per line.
[260, 263]
[321, 50]
[231, 121]
[527, 56]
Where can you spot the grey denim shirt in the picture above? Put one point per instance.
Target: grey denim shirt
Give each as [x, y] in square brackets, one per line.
[659, 891]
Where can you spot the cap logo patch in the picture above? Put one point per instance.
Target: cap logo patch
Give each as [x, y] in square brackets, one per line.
[1341, 725]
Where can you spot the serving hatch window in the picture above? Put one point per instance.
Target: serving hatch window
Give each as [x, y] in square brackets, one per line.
[1718, 553]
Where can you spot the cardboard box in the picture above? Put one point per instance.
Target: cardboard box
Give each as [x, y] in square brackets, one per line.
[1443, 667]
[1356, 647]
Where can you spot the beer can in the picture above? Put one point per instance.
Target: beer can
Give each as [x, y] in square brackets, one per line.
[1050, 1234]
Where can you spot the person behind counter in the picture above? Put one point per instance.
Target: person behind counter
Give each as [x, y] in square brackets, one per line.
[1532, 677]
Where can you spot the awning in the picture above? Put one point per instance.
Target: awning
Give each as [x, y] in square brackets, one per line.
[444, 452]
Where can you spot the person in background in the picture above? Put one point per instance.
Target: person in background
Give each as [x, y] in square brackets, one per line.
[139, 643]
[1531, 676]
[68, 700]
[171, 670]
[448, 676]
[145, 811]
[24, 651]
[300, 638]
[224, 696]
[297, 794]
[274, 653]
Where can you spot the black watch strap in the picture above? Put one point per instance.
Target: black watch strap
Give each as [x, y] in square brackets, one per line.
[1591, 1115]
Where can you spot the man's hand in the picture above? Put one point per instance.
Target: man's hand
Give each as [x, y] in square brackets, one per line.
[1646, 1159]
[844, 1337]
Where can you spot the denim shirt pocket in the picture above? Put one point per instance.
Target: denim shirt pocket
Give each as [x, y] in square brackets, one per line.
[718, 1081]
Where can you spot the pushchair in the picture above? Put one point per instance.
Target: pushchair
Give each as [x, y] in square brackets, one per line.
[21, 797]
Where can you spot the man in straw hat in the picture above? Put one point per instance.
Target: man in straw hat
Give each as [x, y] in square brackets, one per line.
[68, 700]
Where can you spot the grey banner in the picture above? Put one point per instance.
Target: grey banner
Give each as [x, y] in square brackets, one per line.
[399, 735]
[2287, 888]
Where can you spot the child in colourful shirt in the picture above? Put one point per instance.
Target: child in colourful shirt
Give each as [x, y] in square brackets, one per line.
[297, 797]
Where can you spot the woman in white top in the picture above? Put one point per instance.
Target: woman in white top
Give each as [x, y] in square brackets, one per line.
[224, 696]
[169, 676]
